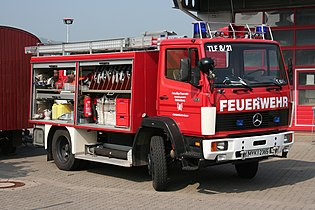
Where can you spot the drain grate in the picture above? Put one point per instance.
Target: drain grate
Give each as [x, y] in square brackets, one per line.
[10, 184]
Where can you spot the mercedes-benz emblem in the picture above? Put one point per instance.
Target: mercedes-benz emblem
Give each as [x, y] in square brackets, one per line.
[257, 119]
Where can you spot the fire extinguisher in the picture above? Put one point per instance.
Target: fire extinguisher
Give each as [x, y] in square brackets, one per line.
[94, 110]
[87, 106]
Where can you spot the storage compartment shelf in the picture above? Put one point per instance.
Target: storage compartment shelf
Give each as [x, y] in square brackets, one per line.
[93, 125]
[67, 96]
[48, 90]
[52, 121]
[106, 91]
[54, 94]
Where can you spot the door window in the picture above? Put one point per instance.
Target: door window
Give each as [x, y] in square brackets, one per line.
[174, 59]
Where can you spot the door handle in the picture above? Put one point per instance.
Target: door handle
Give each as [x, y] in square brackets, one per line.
[164, 97]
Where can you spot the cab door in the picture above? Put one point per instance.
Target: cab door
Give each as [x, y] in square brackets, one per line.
[177, 97]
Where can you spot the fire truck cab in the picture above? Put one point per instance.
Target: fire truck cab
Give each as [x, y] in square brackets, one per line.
[219, 97]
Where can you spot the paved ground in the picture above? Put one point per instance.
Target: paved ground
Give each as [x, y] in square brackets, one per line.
[280, 184]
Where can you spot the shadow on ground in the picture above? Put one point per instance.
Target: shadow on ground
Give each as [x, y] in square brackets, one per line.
[136, 174]
[17, 165]
[13, 170]
[24, 152]
[223, 178]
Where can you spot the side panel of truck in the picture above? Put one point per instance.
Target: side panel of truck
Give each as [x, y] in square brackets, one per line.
[14, 77]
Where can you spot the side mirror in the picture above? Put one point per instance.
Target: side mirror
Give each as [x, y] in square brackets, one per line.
[206, 65]
[184, 69]
[187, 74]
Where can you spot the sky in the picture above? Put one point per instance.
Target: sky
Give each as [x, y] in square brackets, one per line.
[94, 19]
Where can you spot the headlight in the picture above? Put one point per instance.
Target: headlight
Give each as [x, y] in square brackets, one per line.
[219, 146]
[288, 138]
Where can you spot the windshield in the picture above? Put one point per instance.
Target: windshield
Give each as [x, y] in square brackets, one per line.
[246, 64]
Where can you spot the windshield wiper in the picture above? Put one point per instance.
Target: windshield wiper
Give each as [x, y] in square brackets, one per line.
[240, 81]
[277, 82]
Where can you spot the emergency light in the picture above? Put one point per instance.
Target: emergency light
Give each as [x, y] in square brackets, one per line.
[239, 123]
[200, 30]
[261, 29]
[276, 119]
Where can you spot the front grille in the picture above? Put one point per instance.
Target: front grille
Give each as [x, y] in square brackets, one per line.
[229, 122]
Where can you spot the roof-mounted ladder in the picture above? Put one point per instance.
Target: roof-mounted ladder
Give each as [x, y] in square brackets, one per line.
[150, 40]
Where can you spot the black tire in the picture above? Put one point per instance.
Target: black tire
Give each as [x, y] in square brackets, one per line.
[13, 149]
[1, 149]
[61, 151]
[6, 147]
[157, 163]
[247, 170]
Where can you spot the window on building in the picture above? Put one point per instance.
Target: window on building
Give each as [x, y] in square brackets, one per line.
[305, 37]
[305, 57]
[287, 54]
[306, 97]
[279, 18]
[284, 37]
[306, 87]
[307, 78]
[249, 18]
[305, 16]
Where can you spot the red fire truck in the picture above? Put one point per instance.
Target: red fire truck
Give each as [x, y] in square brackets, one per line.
[220, 97]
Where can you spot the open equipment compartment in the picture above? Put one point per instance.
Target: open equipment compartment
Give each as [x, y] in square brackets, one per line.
[53, 95]
[102, 86]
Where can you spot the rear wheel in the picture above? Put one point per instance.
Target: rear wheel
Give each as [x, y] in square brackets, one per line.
[247, 170]
[157, 163]
[6, 146]
[61, 150]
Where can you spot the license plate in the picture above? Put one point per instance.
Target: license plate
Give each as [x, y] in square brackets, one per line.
[257, 152]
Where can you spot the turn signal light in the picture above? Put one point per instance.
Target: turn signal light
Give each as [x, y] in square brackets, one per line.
[197, 144]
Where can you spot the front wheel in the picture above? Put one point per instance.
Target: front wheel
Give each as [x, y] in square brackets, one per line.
[157, 163]
[61, 150]
[247, 170]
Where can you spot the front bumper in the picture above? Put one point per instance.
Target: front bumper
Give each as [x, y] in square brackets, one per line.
[248, 147]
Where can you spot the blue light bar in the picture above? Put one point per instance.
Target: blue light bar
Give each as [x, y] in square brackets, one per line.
[261, 29]
[200, 30]
[276, 119]
[239, 123]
